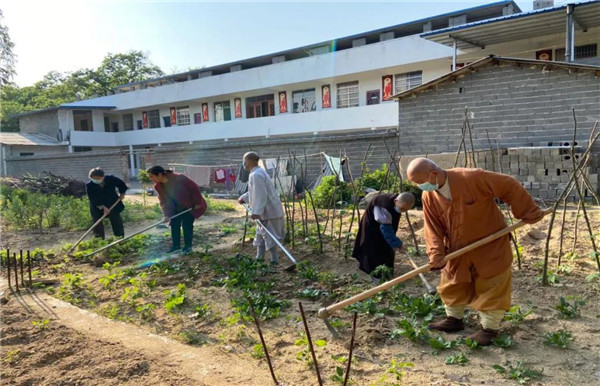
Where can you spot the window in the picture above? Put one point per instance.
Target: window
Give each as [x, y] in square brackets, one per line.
[581, 52]
[304, 101]
[78, 149]
[25, 154]
[127, 122]
[183, 116]
[373, 97]
[407, 80]
[167, 121]
[260, 106]
[154, 119]
[222, 111]
[347, 94]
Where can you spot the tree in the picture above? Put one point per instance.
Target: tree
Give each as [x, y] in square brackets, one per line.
[120, 69]
[7, 57]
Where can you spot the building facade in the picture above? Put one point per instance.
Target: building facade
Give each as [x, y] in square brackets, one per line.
[299, 98]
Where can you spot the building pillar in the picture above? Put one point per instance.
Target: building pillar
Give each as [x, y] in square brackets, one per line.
[454, 55]
[131, 162]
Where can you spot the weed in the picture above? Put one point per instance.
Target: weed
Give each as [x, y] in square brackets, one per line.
[519, 373]
[175, 298]
[41, 325]
[214, 206]
[202, 310]
[146, 311]
[516, 315]
[258, 352]
[559, 338]
[383, 272]
[570, 310]
[458, 359]
[110, 310]
[74, 289]
[503, 340]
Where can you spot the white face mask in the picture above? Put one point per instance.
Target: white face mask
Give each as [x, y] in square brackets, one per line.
[98, 181]
[428, 186]
[397, 210]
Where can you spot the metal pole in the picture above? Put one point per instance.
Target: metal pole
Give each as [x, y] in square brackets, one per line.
[131, 162]
[570, 35]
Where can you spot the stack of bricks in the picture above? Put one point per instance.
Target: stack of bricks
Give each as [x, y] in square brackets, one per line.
[544, 171]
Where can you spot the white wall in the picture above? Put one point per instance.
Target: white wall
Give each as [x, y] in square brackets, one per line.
[364, 117]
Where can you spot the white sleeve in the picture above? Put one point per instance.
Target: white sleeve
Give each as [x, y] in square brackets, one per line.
[244, 197]
[259, 194]
[382, 215]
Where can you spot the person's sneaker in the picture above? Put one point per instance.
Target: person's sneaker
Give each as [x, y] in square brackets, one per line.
[174, 249]
[484, 336]
[186, 250]
[448, 324]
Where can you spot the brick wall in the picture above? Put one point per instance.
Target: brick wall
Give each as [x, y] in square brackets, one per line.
[518, 105]
[44, 123]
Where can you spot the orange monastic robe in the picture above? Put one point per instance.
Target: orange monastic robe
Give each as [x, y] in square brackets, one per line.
[471, 215]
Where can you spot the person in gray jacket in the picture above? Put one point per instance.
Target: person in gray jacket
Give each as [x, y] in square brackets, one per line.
[263, 200]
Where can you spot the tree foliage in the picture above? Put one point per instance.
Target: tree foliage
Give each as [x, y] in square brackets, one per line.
[57, 88]
[7, 57]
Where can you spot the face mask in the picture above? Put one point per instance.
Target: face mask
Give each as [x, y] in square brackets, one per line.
[428, 186]
[397, 210]
[98, 181]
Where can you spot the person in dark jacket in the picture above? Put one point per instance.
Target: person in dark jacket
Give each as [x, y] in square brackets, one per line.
[177, 193]
[376, 238]
[102, 192]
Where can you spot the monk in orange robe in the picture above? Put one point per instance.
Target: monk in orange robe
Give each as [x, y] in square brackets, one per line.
[459, 209]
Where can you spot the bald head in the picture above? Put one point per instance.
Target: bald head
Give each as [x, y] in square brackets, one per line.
[250, 160]
[405, 201]
[420, 170]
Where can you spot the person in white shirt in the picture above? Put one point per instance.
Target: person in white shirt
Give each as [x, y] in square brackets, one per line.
[266, 207]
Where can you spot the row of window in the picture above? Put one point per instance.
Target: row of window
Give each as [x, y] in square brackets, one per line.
[264, 105]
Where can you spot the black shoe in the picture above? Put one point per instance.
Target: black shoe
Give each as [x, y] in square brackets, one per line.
[174, 249]
[186, 250]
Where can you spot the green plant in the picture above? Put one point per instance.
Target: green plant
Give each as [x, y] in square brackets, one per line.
[225, 229]
[458, 359]
[383, 272]
[307, 271]
[12, 356]
[214, 206]
[593, 277]
[323, 196]
[411, 329]
[519, 372]
[312, 293]
[41, 324]
[426, 306]
[564, 269]
[570, 310]
[397, 369]
[74, 289]
[339, 375]
[559, 338]
[571, 256]
[266, 306]
[202, 310]
[551, 277]
[258, 352]
[470, 343]
[368, 306]
[304, 354]
[516, 315]
[503, 340]
[192, 337]
[439, 343]
[175, 298]
[146, 311]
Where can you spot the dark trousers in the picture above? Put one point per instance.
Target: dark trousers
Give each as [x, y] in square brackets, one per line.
[116, 222]
[185, 221]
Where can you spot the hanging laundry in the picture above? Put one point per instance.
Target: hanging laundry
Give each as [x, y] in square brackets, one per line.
[201, 175]
[220, 176]
[243, 174]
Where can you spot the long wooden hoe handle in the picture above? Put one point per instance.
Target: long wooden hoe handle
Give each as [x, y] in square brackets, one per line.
[94, 226]
[325, 312]
[135, 234]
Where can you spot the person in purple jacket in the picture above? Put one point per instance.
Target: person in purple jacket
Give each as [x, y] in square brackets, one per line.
[177, 193]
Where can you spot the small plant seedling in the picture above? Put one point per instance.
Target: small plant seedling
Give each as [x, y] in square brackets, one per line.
[516, 315]
[559, 338]
[307, 271]
[519, 372]
[175, 298]
[339, 376]
[503, 340]
[593, 277]
[570, 310]
[551, 277]
[470, 343]
[397, 369]
[258, 352]
[383, 272]
[192, 337]
[41, 324]
[439, 343]
[564, 269]
[458, 359]
[411, 329]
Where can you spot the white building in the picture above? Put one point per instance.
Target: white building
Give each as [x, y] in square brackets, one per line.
[284, 95]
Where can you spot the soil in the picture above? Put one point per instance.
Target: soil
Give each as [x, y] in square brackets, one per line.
[81, 345]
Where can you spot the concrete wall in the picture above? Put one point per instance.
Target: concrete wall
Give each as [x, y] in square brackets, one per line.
[44, 123]
[517, 105]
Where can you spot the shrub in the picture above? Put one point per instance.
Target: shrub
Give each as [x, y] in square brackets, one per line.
[377, 180]
[323, 195]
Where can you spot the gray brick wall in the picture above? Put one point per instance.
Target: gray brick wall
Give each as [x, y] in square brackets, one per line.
[518, 105]
[45, 123]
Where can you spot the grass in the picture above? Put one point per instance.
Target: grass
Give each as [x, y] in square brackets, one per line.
[215, 206]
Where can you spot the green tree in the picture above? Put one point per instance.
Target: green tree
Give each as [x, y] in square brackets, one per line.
[7, 57]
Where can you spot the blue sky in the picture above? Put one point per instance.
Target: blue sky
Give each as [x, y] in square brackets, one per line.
[69, 35]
